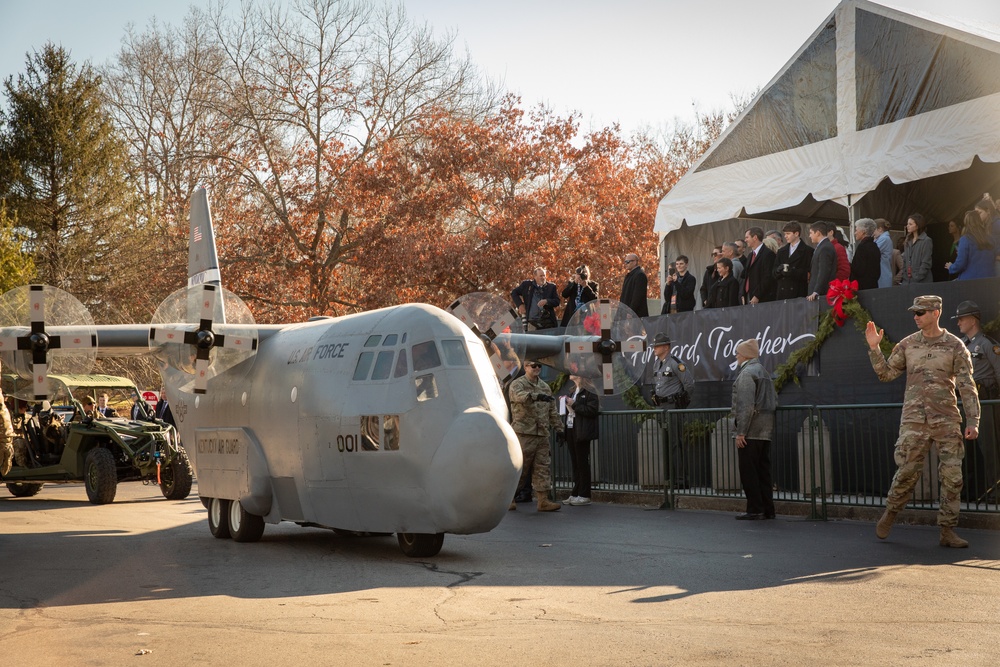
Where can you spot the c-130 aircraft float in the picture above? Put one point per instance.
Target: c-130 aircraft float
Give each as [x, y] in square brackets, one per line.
[388, 421]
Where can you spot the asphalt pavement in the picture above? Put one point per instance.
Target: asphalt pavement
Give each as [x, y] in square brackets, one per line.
[143, 582]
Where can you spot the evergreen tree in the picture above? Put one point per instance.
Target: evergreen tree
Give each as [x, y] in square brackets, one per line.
[16, 267]
[62, 172]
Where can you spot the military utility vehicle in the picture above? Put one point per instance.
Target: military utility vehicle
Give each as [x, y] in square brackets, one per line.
[60, 441]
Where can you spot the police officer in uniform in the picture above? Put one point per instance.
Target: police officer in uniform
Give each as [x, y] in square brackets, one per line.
[672, 386]
[985, 355]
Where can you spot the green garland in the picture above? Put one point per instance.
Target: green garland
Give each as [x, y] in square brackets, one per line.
[827, 325]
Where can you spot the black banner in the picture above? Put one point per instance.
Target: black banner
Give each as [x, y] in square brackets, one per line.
[706, 340]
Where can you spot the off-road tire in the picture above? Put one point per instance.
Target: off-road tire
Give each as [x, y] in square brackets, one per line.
[420, 545]
[176, 477]
[100, 476]
[24, 489]
[244, 526]
[218, 518]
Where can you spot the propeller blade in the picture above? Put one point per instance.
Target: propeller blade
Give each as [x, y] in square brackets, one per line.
[234, 342]
[632, 346]
[201, 374]
[208, 296]
[36, 300]
[502, 324]
[78, 342]
[607, 372]
[40, 375]
[498, 366]
[461, 312]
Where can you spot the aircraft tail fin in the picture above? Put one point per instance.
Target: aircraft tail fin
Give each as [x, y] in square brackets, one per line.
[203, 261]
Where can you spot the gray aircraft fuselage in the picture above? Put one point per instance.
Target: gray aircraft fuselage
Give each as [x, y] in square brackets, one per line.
[385, 421]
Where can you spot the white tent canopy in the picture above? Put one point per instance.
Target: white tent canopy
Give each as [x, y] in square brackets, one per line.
[876, 97]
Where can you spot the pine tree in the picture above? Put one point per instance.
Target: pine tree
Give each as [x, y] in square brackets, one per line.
[62, 172]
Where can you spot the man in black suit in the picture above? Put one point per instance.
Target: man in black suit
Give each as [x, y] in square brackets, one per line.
[824, 261]
[634, 286]
[162, 410]
[791, 267]
[866, 267]
[681, 284]
[711, 276]
[758, 280]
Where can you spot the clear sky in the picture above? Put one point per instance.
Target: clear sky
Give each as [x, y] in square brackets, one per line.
[637, 62]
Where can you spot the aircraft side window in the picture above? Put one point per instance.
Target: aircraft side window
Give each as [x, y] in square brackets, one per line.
[364, 365]
[373, 340]
[370, 433]
[426, 387]
[390, 340]
[383, 365]
[454, 353]
[390, 428]
[425, 356]
[402, 368]
[379, 432]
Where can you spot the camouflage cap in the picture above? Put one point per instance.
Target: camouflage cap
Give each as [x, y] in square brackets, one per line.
[927, 302]
[967, 308]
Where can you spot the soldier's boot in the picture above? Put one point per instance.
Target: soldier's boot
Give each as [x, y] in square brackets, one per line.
[950, 539]
[544, 504]
[884, 524]
[513, 506]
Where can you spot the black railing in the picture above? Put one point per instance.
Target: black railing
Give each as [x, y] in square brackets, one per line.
[820, 455]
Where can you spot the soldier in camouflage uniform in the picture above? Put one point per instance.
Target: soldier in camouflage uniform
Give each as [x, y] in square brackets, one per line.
[936, 363]
[6, 438]
[534, 413]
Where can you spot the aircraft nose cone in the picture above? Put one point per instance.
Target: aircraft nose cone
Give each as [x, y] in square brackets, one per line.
[475, 473]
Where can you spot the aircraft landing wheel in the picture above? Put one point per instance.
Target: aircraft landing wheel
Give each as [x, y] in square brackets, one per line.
[218, 517]
[420, 545]
[244, 526]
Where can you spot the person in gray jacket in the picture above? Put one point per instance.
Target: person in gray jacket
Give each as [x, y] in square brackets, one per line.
[917, 252]
[754, 402]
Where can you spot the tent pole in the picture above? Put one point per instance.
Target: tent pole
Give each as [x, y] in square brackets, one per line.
[852, 216]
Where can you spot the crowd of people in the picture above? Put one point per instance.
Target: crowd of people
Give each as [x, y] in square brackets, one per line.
[773, 266]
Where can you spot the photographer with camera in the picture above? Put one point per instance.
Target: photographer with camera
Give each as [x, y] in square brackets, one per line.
[534, 413]
[536, 300]
[678, 288]
[579, 290]
[673, 383]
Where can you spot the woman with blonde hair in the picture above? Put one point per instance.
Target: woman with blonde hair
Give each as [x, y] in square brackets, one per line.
[975, 258]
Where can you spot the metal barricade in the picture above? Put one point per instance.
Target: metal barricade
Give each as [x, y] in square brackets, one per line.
[820, 455]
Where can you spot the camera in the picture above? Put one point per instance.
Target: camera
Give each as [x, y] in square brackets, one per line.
[672, 270]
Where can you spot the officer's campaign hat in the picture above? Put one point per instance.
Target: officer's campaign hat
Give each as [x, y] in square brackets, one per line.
[661, 339]
[967, 308]
[925, 303]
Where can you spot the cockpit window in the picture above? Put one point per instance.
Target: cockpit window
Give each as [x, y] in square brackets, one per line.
[373, 340]
[425, 356]
[401, 366]
[390, 340]
[383, 365]
[364, 365]
[454, 353]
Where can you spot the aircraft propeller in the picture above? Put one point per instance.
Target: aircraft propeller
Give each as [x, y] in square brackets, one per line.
[68, 329]
[201, 330]
[493, 320]
[621, 333]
